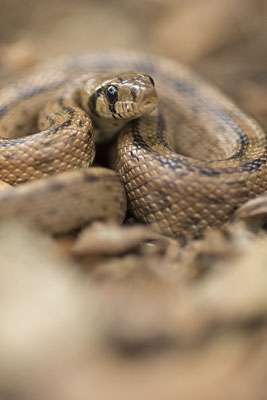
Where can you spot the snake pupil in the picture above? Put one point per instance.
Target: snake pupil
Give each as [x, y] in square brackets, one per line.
[111, 94]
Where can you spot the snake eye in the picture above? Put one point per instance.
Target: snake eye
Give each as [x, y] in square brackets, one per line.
[111, 94]
[151, 81]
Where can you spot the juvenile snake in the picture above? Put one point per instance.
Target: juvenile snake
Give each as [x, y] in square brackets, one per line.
[185, 167]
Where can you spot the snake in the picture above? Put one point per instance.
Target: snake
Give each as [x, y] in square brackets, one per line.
[183, 156]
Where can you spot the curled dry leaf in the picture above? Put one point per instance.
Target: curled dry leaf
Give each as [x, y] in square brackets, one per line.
[110, 239]
[253, 213]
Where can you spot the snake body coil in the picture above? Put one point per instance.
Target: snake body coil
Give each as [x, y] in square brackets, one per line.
[185, 167]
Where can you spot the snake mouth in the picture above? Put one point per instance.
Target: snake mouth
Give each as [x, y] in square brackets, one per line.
[150, 105]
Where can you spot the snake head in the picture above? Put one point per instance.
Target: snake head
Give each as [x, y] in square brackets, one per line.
[120, 96]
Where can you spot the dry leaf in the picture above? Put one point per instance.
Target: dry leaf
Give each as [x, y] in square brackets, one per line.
[253, 213]
[111, 239]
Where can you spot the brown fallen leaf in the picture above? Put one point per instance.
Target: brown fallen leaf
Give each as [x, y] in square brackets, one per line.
[253, 213]
[105, 239]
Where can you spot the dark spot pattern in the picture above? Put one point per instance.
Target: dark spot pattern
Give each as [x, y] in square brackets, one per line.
[57, 186]
[91, 178]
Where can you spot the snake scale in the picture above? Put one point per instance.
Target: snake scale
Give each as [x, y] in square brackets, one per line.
[185, 167]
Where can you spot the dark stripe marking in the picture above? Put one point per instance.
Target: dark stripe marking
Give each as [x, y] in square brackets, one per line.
[93, 99]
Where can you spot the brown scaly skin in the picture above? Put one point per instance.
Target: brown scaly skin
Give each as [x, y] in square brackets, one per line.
[67, 201]
[186, 167]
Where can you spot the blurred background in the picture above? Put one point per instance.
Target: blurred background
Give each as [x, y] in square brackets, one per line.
[224, 40]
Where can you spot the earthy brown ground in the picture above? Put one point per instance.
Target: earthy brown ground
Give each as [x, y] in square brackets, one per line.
[121, 312]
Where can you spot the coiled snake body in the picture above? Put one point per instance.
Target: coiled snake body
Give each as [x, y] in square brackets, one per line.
[185, 167]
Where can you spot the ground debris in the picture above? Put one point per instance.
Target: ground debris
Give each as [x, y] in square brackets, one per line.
[217, 248]
[112, 239]
[133, 315]
[253, 213]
